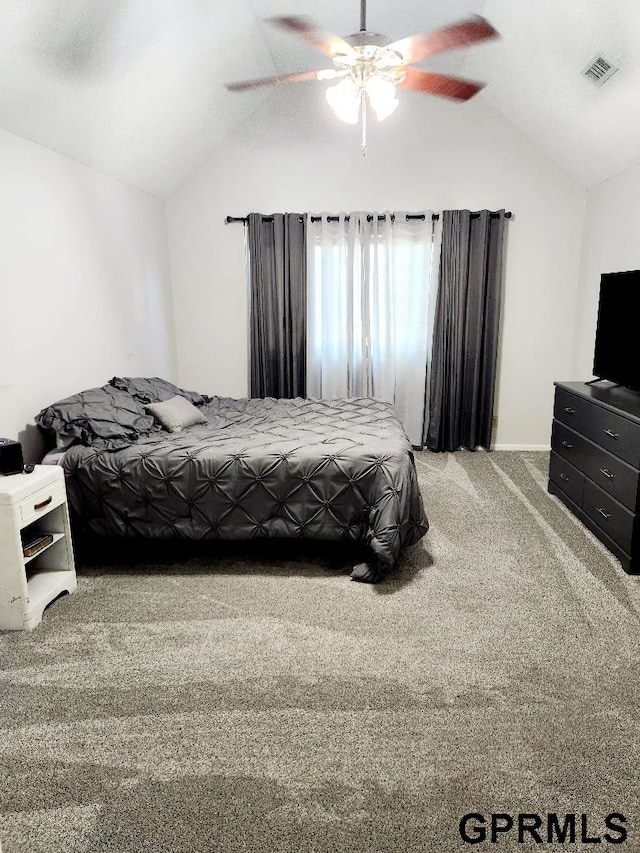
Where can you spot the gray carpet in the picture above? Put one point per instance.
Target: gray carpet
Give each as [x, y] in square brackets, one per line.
[250, 697]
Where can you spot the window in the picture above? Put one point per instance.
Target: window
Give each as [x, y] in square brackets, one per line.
[371, 292]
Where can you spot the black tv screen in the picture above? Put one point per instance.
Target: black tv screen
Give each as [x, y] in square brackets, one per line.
[617, 350]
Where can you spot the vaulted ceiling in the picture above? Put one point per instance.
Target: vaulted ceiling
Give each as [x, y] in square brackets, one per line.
[135, 88]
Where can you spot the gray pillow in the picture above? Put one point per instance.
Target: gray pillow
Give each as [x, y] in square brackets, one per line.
[176, 413]
[104, 417]
[155, 390]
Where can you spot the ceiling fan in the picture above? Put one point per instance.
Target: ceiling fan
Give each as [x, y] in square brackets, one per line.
[370, 66]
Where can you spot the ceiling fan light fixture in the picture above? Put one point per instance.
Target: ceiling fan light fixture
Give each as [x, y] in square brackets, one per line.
[372, 66]
[382, 96]
[344, 100]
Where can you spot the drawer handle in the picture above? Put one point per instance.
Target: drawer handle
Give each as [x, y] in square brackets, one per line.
[607, 473]
[569, 410]
[567, 445]
[564, 478]
[603, 512]
[611, 434]
[43, 504]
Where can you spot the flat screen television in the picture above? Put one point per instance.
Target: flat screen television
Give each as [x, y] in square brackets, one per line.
[617, 350]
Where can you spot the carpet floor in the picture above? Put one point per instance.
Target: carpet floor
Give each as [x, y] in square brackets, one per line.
[250, 697]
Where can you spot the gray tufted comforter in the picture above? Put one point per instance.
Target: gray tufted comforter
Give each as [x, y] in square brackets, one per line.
[331, 470]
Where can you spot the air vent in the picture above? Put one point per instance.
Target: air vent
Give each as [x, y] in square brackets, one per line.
[599, 70]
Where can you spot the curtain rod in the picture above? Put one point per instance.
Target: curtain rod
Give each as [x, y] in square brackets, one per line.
[243, 219]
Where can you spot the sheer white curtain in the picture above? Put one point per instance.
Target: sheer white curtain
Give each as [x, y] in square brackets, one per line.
[372, 281]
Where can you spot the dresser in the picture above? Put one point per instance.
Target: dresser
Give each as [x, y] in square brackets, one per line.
[595, 462]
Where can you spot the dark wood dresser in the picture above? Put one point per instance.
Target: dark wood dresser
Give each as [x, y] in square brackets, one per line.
[595, 463]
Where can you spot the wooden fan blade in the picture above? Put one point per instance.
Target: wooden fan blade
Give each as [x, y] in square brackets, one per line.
[305, 28]
[284, 78]
[440, 84]
[464, 33]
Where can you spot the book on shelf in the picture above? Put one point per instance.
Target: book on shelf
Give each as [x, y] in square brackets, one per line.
[31, 544]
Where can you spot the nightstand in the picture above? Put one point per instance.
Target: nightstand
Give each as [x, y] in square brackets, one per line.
[33, 506]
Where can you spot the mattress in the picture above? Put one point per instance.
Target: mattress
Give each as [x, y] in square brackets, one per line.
[333, 470]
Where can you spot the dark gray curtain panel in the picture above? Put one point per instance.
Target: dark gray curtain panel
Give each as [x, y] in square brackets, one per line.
[465, 336]
[278, 283]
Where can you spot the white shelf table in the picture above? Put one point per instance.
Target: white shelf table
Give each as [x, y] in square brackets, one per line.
[33, 503]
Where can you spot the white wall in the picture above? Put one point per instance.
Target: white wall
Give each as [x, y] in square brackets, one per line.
[294, 155]
[611, 244]
[84, 284]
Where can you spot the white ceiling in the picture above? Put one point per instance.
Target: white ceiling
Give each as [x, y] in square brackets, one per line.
[535, 80]
[135, 88]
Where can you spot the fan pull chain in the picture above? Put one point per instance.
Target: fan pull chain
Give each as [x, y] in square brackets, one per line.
[363, 123]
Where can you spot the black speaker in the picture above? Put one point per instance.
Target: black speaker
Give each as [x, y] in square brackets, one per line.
[11, 461]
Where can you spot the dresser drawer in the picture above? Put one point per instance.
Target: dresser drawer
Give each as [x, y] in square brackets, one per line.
[573, 447]
[572, 410]
[41, 502]
[609, 515]
[613, 475]
[566, 477]
[616, 434]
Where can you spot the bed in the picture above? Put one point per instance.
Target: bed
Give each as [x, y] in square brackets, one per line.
[336, 470]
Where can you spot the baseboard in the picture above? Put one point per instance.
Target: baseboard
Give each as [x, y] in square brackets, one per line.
[546, 447]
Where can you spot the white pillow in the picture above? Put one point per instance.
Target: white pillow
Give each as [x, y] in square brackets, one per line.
[176, 414]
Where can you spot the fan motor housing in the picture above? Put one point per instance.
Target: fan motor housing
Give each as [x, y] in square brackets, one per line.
[369, 49]
[364, 38]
